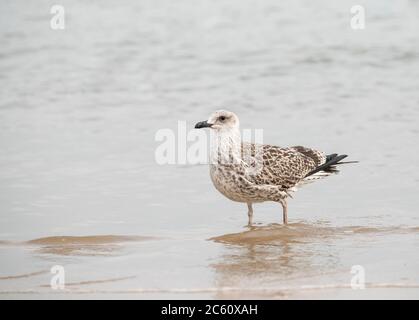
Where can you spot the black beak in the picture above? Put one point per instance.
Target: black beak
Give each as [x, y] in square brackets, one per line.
[203, 124]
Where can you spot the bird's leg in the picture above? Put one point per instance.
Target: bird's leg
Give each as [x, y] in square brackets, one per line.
[250, 213]
[284, 210]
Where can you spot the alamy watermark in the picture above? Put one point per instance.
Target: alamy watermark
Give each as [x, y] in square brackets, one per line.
[57, 21]
[358, 278]
[191, 147]
[358, 18]
[58, 279]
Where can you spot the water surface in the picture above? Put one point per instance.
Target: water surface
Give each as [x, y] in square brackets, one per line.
[80, 188]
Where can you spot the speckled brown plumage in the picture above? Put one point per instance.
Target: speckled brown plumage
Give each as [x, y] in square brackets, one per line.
[247, 172]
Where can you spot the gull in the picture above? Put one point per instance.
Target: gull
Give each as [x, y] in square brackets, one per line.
[252, 173]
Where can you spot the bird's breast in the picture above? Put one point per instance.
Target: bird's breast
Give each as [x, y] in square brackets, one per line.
[226, 182]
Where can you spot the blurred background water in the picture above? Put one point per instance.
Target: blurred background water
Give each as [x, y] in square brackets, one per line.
[80, 107]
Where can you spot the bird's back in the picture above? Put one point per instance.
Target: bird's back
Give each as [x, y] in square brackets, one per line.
[267, 172]
[282, 167]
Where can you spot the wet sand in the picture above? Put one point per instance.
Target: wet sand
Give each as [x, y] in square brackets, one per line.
[300, 260]
[80, 187]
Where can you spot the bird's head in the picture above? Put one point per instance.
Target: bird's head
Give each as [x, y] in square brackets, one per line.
[220, 120]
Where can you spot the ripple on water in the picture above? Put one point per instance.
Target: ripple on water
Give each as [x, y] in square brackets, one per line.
[98, 245]
[301, 232]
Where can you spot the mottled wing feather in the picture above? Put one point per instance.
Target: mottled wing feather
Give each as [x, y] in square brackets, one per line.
[318, 156]
[282, 167]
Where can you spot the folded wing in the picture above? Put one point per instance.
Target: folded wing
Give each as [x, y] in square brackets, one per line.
[282, 167]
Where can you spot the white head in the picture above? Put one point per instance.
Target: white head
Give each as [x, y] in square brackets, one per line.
[220, 120]
[226, 141]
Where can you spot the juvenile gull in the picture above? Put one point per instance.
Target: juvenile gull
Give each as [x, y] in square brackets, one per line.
[251, 173]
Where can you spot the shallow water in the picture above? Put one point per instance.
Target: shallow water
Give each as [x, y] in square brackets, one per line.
[80, 187]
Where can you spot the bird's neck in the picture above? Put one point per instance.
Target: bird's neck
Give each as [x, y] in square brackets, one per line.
[226, 147]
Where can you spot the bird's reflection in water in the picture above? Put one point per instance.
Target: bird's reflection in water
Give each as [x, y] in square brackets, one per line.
[275, 256]
[271, 256]
[274, 251]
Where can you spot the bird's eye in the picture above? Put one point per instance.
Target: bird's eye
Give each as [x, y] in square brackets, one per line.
[222, 118]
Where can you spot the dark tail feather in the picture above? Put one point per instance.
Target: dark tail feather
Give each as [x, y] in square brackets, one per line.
[330, 157]
[347, 162]
[329, 165]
